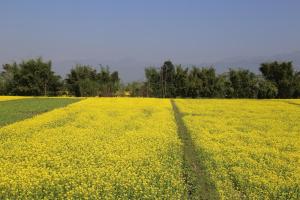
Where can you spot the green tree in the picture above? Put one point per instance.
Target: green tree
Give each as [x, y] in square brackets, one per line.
[208, 79]
[31, 77]
[115, 82]
[136, 89]
[194, 83]
[244, 83]
[84, 80]
[88, 87]
[109, 82]
[152, 82]
[79, 81]
[7, 78]
[202, 82]
[181, 81]
[297, 85]
[266, 89]
[223, 87]
[282, 75]
[167, 78]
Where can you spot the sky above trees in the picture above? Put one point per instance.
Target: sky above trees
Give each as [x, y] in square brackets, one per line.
[134, 34]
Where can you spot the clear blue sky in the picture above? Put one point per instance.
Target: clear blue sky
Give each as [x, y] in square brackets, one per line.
[186, 31]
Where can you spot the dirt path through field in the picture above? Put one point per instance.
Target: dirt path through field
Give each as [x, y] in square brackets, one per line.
[195, 177]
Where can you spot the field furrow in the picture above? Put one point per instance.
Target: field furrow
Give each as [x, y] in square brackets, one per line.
[196, 178]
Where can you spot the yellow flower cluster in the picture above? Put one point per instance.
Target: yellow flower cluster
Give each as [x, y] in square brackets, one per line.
[249, 148]
[6, 98]
[98, 148]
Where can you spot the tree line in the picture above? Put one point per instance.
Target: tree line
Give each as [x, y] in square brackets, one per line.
[35, 77]
[277, 80]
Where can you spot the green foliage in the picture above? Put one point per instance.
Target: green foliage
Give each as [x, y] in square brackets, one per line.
[297, 85]
[153, 82]
[16, 110]
[35, 77]
[243, 83]
[136, 89]
[181, 81]
[77, 80]
[7, 78]
[109, 82]
[88, 87]
[201, 82]
[266, 90]
[279, 80]
[32, 77]
[2, 86]
[167, 72]
[282, 75]
[84, 80]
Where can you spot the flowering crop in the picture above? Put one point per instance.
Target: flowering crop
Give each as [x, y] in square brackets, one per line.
[249, 148]
[108, 148]
[5, 98]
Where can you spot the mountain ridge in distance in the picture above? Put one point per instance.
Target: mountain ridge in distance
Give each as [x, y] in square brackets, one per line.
[133, 70]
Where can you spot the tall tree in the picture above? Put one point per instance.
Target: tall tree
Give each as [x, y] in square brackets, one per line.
[115, 82]
[167, 78]
[84, 80]
[81, 81]
[244, 83]
[266, 89]
[109, 82]
[152, 82]
[282, 75]
[31, 77]
[208, 79]
[297, 85]
[7, 78]
[180, 81]
[136, 89]
[223, 87]
[194, 83]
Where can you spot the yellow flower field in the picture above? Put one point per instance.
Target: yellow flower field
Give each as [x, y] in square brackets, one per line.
[249, 148]
[131, 148]
[108, 148]
[5, 98]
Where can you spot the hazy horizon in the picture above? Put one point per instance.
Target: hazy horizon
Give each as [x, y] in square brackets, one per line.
[131, 35]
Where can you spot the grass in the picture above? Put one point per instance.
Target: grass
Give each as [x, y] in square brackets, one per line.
[15, 110]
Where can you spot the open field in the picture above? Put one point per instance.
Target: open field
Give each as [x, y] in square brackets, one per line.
[143, 148]
[250, 149]
[96, 148]
[17, 108]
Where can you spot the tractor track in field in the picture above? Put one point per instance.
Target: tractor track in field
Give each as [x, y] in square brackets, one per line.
[196, 179]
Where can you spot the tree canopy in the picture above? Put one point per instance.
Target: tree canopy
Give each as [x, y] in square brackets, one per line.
[35, 77]
[32, 77]
[84, 80]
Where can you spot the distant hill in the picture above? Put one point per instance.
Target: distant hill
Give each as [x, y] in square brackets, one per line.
[131, 69]
[253, 63]
[128, 68]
